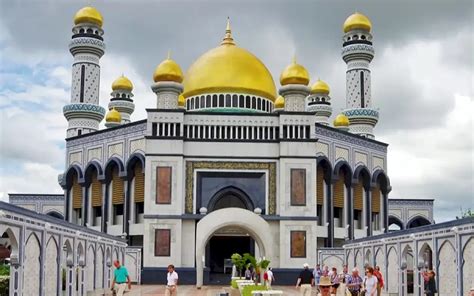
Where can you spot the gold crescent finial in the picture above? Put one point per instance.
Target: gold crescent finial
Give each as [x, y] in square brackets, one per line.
[228, 34]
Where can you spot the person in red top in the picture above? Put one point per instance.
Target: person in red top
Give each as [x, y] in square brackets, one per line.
[379, 277]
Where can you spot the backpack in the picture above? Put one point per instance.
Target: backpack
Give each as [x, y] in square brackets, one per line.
[265, 276]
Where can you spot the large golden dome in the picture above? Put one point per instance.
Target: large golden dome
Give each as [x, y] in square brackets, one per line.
[357, 21]
[88, 14]
[229, 69]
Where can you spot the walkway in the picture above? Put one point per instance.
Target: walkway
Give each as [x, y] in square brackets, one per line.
[148, 290]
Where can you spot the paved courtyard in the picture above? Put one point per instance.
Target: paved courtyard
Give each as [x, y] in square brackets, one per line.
[189, 290]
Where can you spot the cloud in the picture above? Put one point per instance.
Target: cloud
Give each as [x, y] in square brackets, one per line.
[422, 75]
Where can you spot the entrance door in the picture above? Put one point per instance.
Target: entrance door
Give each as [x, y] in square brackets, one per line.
[219, 250]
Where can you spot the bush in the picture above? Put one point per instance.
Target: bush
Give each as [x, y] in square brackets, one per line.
[4, 284]
[4, 269]
[247, 291]
[233, 284]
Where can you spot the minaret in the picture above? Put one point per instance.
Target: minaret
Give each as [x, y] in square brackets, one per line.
[319, 101]
[122, 98]
[168, 85]
[357, 52]
[87, 46]
[294, 87]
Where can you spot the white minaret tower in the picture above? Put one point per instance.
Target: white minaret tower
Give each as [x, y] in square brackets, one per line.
[319, 101]
[357, 52]
[87, 46]
[122, 98]
[168, 79]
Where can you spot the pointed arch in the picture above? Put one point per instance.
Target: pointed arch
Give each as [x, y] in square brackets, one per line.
[239, 195]
[91, 167]
[112, 162]
[343, 166]
[72, 170]
[51, 266]
[133, 160]
[13, 235]
[417, 221]
[32, 260]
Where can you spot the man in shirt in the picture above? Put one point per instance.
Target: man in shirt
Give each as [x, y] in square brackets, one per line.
[172, 284]
[270, 278]
[354, 282]
[305, 281]
[121, 278]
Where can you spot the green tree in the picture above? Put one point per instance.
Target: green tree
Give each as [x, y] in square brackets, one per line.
[238, 261]
[466, 213]
[258, 266]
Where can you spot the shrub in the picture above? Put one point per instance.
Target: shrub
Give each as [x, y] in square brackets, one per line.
[4, 269]
[4, 284]
[247, 290]
[233, 284]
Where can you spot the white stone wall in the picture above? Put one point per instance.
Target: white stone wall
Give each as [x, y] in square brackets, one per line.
[286, 227]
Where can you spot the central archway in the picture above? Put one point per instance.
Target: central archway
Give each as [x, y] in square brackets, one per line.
[255, 225]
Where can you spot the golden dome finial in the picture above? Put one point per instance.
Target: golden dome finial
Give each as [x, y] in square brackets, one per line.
[320, 87]
[113, 116]
[228, 34]
[122, 83]
[88, 14]
[294, 73]
[168, 57]
[341, 120]
[357, 21]
[168, 70]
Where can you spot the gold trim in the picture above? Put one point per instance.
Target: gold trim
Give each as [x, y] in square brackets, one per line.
[219, 165]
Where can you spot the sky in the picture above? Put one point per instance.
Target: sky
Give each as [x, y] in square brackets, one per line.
[422, 76]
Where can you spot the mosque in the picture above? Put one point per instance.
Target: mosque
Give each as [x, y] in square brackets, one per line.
[225, 162]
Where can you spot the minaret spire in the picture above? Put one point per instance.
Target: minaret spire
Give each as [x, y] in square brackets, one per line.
[228, 34]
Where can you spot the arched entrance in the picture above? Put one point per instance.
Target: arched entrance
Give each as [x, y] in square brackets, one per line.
[256, 227]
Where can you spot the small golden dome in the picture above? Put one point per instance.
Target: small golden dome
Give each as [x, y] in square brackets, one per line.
[357, 21]
[113, 116]
[168, 70]
[341, 120]
[294, 74]
[229, 68]
[320, 87]
[181, 101]
[122, 83]
[280, 102]
[88, 14]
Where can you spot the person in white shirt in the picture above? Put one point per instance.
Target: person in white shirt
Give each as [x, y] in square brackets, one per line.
[172, 284]
[370, 282]
[269, 278]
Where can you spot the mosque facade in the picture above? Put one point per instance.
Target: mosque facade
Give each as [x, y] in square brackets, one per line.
[225, 162]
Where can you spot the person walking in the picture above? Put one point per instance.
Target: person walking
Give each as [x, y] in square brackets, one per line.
[172, 282]
[354, 282]
[324, 286]
[379, 277]
[317, 273]
[305, 281]
[370, 282]
[121, 279]
[430, 286]
[334, 280]
[248, 274]
[269, 278]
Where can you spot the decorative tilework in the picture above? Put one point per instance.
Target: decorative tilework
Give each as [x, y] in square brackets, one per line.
[95, 153]
[378, 162]
[193, 165]
[360, 158]
[342, 153]
[322, 148]
[75, 157]
[116, 149]
[137, 145]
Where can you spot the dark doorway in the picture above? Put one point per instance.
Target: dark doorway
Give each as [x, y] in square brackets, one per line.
[219, 249]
